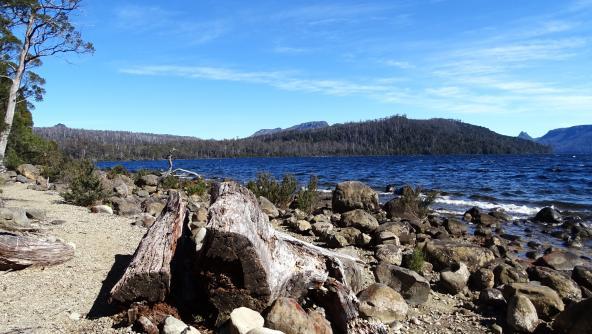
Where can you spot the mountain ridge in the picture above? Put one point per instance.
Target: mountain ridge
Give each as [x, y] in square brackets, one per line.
[573, 139]
[298, 127]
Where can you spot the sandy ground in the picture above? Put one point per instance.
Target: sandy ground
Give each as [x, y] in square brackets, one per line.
[58, 299]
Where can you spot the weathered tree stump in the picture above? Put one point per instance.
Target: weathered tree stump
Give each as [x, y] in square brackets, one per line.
[18, 251]
[148, 277]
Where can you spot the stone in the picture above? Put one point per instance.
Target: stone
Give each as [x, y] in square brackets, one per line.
[380, 302]
[548, 215]
[29, 171]
[482, 279]
[268, 208]
[343, 237]
[145, 220]
[401, 230]
[264, 330]
[455, 227]
[16, 216]
[243, 319]
[583, 276]
[173, 325]
[576, 319]
[36, 214]
[567, 289]
[351, 195]
[492, 297]
[486, 220]
[125, 206]
[322, 229]
[454, 280]
[507, 274]
[521, 314]
[200, 216]
[21, 179]
[101, 209]
[560, 260]
[412, 286]
[149, 180]
[389, 253]
[359, 219]
[302, 226]
[444, 254]
[546, 300]
[287, 316]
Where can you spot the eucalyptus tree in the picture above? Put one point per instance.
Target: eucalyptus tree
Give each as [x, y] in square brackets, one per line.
[29, 31]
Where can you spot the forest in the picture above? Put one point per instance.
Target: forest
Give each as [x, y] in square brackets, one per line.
[396, 135]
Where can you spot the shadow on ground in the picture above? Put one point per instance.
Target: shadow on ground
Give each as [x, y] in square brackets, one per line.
[101, 307]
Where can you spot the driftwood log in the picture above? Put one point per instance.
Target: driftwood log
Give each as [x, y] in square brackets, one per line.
[18, 251]
[248, 263]
[148, 277]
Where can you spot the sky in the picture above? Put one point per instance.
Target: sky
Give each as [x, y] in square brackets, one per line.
[227, 68]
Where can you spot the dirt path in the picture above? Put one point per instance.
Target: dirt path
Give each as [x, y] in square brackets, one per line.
[57, 299]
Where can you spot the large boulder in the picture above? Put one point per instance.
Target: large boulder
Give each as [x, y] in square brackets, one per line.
[567, 289]
[389, 253]
[401, 230]
[455, 227]
[560, 260]
[359, 219]
[381, 302]
[521, 314]
[13, 217]
[508, 274]
[29, 171]
[583, 276]
[149, 180]
[351, 195]
[549, 215]
[243, 319]
[481, 279]
[486, 220]
[546, 300]
[173, 325]
[268, 208]
[125, 206]
[343, 237]
[287, 316]
[444, 253]
[576, 319]
[454, 280]
[412, 286]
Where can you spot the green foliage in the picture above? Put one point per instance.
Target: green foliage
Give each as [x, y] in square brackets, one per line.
[416, 260]
[413, 201]
[117, 170]
[170, 182]
[279, 193]
[197, 187]
[85, 186]
[307, 199]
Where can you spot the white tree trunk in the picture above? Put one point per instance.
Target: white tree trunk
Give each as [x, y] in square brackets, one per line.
[14, 88]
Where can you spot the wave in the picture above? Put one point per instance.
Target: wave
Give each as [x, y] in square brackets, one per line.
[515, 210]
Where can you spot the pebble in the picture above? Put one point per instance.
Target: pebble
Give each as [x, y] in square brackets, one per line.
[74, 316]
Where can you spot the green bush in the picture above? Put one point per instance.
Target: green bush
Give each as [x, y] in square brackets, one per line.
[85, 186]
[416, 260]
[307, 199]
[279, 193]
[117, 170]
[170, 182]
[197, 187]
[412, 201]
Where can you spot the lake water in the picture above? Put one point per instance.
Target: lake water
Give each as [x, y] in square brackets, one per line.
[519, 184]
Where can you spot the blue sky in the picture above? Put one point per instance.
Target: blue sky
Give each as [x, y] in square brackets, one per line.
[224, 69]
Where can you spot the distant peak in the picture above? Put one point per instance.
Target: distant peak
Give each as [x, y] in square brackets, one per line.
[60, 126]
[524, 135]
[300, 127]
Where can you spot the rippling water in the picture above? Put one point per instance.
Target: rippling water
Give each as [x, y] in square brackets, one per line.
[519, 184]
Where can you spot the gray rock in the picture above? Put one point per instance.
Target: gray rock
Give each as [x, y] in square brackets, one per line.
[412, 286]
[567, 289]
[444, 254]
[560, 260]
[351, 195]
[381, 302]
[482, 279]
[548, 215]
[359, 219]
[125, 206]
[389, 253]
[21, 179]
[507, 274]
[173, 325]
[153, 206]
[149, 180]
[454, 280]
[455, 227]
[287, 315]
[242, 320]
[521, 314]
[576, 319]
[14, 216]
[546, 300]
[492, 297]
[29, 171]
[322, 229]
[343, 237]
[264, 330]
[268, 208]
[400, 229]
[583, 276]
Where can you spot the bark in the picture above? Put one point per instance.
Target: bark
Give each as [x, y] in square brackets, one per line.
[248, 263]
[20, 251]
[148, 277]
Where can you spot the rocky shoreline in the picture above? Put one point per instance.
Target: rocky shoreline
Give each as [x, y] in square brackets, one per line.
[423, 273]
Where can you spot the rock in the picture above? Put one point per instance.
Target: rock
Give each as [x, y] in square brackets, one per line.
[492, 297]
[380, 302]
[455, 227]
[400, 230]
[153, 207]
[14, 216]
[101, 209]
[412, 286]
[500, 214]
[147, 326]
[483, 231]
[29, 171]
[36, 214]
[482, 279]
[351, 195]
[560, 260]
[264, 330]
[142, 193]
[122, 185]
[173, 325]
[343, 237]
[454, 280]
[521, 314]
[287, 316]
[149, 180]
[125, 206]
[548, 215]
[567, 289]
[583, 276]
[359, 219]
[302, 226]
[486, 220]
[200, 216]
[546, 301]
[576, 319]
[506, 274]
[243, 319]
[22, 179]
[322, 229]
[389, 253]
[145, 220]
[268, 208]
[497, 329]
[444, 254]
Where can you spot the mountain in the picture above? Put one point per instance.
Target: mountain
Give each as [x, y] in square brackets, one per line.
[525, 136]
[576, 139]
[395, 135]
[299, 127]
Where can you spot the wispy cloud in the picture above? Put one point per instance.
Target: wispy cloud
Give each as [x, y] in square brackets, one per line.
[398, 64]
[290, 50]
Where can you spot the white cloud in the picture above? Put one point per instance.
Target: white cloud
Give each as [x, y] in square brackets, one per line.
[399, 64]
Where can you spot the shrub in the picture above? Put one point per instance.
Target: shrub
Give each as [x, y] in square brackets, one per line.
[413, 201]
[307, 199]
[416, 260]
[117, 170]
[197, 187]
[85, 186]
[170, 182]
[279, 193]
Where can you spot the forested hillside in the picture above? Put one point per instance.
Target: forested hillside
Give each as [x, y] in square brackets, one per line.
[391, 136]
